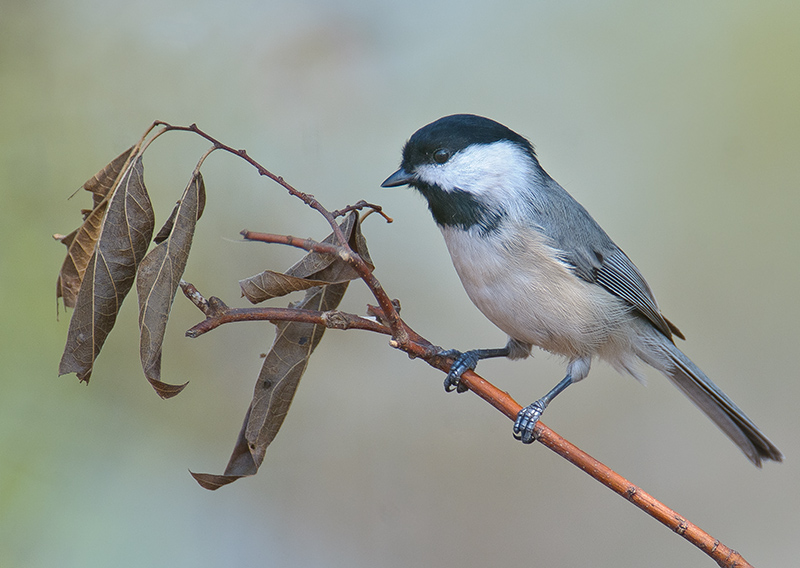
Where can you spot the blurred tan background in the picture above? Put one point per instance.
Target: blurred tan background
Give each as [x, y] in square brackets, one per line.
[678, 127]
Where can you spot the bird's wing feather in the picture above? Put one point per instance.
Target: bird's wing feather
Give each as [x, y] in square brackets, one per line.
[584, 245]
[619, 275]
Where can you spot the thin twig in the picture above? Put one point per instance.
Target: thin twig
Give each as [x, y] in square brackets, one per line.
[306, 244]
[306, 198]
[362, 205]
[345, 252]
[194, 295]
[333, 319]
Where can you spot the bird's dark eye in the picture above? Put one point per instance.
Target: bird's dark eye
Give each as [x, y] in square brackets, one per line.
[441, 155]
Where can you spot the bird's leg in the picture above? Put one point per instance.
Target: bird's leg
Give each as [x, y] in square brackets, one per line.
[529, 416]
[467, 361]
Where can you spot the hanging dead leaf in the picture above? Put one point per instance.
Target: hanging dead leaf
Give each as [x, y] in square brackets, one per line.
[359, 244]
[124, 236]
[80, 247]
[157, 281]
[284, 366]
[81, 242]
[286, 362]
[240, 464]
[69, 280]
[280, 374]
[165, 231]
[106, 179]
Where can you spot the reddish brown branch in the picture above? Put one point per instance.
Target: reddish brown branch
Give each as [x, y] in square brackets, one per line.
[218, 313]
[502, 401]
[405, 339]
[723, 555]
[333, 319]
[306, 244]
[306, 198]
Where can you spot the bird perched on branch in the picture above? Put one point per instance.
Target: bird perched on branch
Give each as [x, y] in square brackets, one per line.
[534, 261]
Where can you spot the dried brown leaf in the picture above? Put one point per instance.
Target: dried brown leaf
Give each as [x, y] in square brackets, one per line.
[165, 231]
[79, 253]
[359, 244]
[123, 240]
[240, 464]
[81, 242]
[106, 179]
[69, 278]
[329, 267]
[280, 374]
[157, 281]
[271, 284]
[311, 270]
[287, 360]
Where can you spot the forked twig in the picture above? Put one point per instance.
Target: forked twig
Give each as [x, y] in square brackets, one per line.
[218, 313]
[388, 321]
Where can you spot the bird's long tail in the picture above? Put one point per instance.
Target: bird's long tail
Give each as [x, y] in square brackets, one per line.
[708, 397]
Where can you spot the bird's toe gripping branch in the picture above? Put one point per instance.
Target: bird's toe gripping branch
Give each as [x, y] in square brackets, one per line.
[466, 361]
[529, 416]
[526, 421]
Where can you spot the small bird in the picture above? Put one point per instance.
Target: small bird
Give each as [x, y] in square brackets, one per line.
[540, 268]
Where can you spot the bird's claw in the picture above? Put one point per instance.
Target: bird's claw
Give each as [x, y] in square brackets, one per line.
[464, 362]
[526, 422]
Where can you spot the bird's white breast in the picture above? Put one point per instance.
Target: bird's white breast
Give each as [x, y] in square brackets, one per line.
[514, 278]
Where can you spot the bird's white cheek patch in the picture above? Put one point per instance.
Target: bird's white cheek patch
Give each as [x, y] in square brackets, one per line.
[500, 170]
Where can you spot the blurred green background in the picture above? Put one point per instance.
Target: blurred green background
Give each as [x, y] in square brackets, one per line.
[677, 126]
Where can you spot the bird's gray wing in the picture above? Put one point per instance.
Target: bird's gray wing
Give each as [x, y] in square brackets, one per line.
[616, 273]
[592, 254]
[619, 275]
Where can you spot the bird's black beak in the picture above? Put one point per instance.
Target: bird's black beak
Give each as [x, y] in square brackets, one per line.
[400, 177]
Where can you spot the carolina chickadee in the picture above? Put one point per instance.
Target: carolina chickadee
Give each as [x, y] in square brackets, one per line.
[542, 270]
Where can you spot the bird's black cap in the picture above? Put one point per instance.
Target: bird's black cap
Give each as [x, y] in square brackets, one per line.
[456, 132]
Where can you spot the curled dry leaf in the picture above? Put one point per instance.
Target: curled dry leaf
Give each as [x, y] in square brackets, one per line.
[123, 239]
[106, 179]
[157, 281]
[166, 230]
[271, 284]
[287, 360]
[81, 242]
[312, 270]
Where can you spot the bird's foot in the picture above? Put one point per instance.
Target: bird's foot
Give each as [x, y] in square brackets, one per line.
[466, 361]
[526, 421]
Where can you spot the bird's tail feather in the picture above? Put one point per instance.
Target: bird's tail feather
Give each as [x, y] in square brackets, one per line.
[708, 397]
